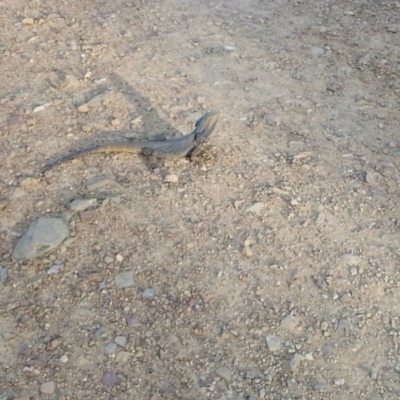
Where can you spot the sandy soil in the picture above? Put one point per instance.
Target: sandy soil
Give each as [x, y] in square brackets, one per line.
[289, 232]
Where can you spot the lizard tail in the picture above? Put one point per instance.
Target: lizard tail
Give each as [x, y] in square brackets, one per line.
[125, 147]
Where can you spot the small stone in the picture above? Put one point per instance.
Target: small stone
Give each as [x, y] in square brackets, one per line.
[320, 218]
[110, 348]
[109, 379]
[82, 204]
[20, 398]
[251, 373]
[132, 321]
[309, 357]
[55, 343]
[120, 341]
[3, 274]
[316, 51]
[84, 108]
[63, 359]
[97, 182]
[8, 335]
[31, 121]
[18, 193]
[41, 108]
[224, 373]
[256, 208]
[319, 387]
[273, 343]
[289, 322]
[48, 387]
[4, 203]
[171, 178]
[345, 297]
[87, 216]
[148, 293]
[247, 252]
[124, 280]
[28, 21]
[55, 269]
[123, 356]
[119, 257]
[353, 271]
[42, 236]
[339, 381]
[295, 362]
[71, 81]
[350, 259]
[108, 260]
[115, 122]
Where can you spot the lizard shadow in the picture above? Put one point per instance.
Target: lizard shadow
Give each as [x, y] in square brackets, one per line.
[150, 120]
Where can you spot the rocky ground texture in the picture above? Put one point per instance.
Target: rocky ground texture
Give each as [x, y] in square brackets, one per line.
[268, 271]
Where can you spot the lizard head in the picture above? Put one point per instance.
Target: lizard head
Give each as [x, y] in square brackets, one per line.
[205, 125]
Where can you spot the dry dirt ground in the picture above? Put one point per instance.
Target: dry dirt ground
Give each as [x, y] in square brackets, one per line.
[270, 270]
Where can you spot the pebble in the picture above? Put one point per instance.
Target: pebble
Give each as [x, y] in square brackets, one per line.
[339, 381]
[109, 379]
[48, 387]
[18, 193]
[3, 274]
[8, 335]
[115, 122]
[119, 257]
[110, 348]
[123, 356]
[71, 80]
[273, 343]
[353, 271]
[97, 182]
[108, 260]
[289, 322]
[120, 341]
[26, 182]
[256, 208]
[148, 293]
[63, 359]
[350, 259]
[124, 280]
[171, 178]
[87, 216]
[316, 51]
[3, 203]
[55, 269]
[247, 252]
[318, 387]
[224, 373]
[28, 21]
[132, 321]
[82, 204]
[345, 297]
[295, 362]
[42, 236]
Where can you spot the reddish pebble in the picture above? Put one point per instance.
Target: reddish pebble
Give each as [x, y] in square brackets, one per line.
[192, 302]
[87, 216]
[48, 387]
[109, 379]
[132, 321]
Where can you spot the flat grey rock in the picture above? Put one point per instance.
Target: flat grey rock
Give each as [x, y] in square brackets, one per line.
[42, 236]
[124, 279]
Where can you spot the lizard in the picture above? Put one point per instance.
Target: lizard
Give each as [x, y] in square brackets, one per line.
[186, 146]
